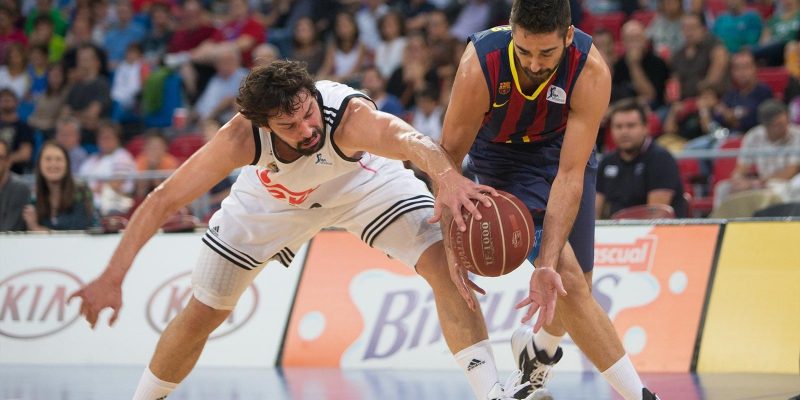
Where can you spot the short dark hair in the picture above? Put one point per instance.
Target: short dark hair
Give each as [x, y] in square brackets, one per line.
[8, 92]
[770, 109]
[541, 16]
[272, 90]
[627, 105]
[43, 19]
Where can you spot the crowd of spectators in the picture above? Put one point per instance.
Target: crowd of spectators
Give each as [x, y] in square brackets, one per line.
[111, 85]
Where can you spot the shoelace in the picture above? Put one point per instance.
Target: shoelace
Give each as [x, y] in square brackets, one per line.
[539, 376]
[511, 386]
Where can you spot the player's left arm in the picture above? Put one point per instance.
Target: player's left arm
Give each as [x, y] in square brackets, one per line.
[587, 107]
[365, 129]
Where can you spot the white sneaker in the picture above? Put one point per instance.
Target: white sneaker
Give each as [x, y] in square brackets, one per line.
[535, 364]
[511, 386]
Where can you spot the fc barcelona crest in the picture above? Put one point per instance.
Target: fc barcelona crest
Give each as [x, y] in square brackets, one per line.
[504, 87]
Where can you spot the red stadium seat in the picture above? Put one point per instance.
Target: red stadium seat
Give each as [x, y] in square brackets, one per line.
[715, 7]
[723, 167]
[182, 147]
[689, 169]
[645, 211]
[611, 22]
[643, 16]
[135, 145]
[776, 78]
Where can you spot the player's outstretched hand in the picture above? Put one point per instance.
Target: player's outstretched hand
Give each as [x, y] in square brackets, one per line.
[460, 278]
[96, 296]
[545, 287]
[454, 192]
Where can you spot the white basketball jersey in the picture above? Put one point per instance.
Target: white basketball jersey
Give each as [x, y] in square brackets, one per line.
[326, 178]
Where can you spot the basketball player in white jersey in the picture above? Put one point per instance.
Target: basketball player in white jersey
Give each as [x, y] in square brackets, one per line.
[313, 155]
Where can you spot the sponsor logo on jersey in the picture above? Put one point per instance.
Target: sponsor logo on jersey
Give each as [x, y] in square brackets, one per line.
[281, 192]
[556, 95]
[321, 160]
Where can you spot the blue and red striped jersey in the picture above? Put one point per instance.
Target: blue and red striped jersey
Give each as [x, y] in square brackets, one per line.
[512, 116]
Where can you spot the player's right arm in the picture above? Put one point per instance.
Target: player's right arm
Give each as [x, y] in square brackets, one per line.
[232, 147]
[469, 101]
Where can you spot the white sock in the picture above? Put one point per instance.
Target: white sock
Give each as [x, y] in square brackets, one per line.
[152, 388]
[547, 342]
[477, 362]
[624, 379]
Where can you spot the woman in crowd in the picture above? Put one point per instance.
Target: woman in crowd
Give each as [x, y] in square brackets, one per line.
[346, 53]
[306, 45]
[48, 106]
[61, 202]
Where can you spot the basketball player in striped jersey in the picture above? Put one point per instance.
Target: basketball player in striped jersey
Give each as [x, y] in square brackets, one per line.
[526, 105]
[313, 155]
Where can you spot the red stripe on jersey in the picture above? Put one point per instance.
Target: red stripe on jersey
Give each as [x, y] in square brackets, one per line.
[493, 65]
[575, 57]
[513, 111]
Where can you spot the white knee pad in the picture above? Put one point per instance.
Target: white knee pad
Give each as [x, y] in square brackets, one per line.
[217, 282]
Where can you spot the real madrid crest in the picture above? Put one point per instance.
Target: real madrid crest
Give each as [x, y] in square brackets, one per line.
[273, 167]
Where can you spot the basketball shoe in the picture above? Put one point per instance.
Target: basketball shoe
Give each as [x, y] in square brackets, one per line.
[506, 391]
[648, 395]
[534, 364]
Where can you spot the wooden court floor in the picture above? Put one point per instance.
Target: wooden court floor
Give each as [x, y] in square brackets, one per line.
[102, 382]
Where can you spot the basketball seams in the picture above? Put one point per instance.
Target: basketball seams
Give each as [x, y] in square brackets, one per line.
[530, 232]
[470, 224]
[501, 229]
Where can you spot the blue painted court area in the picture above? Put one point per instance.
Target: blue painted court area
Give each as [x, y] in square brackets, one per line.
[95, 383]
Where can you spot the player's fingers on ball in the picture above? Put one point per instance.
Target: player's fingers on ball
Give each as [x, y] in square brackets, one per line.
[459, 221]
[488, 189]
[470, 207]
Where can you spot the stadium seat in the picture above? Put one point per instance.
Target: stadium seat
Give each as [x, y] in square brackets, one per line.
[182, 147]
[645, 211]
[776, 78]
[643, 16]
[689, 170]
[722, 169]
[715, 7]
[611, 22]
[135, 145]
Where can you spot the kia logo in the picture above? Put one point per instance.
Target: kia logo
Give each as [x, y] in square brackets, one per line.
[34, 303]
[174, 294]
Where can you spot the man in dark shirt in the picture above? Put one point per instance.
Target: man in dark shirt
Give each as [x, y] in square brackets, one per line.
[740, 103]
[89, 99]
[14, 194]
[639, 72]
[15, 132]
[638, 171]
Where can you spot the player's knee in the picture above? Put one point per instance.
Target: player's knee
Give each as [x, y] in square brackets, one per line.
[432, 265]
[201, 317]
[575, 284]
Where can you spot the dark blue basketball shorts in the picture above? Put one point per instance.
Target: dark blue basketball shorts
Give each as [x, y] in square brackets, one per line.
[527, 171]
